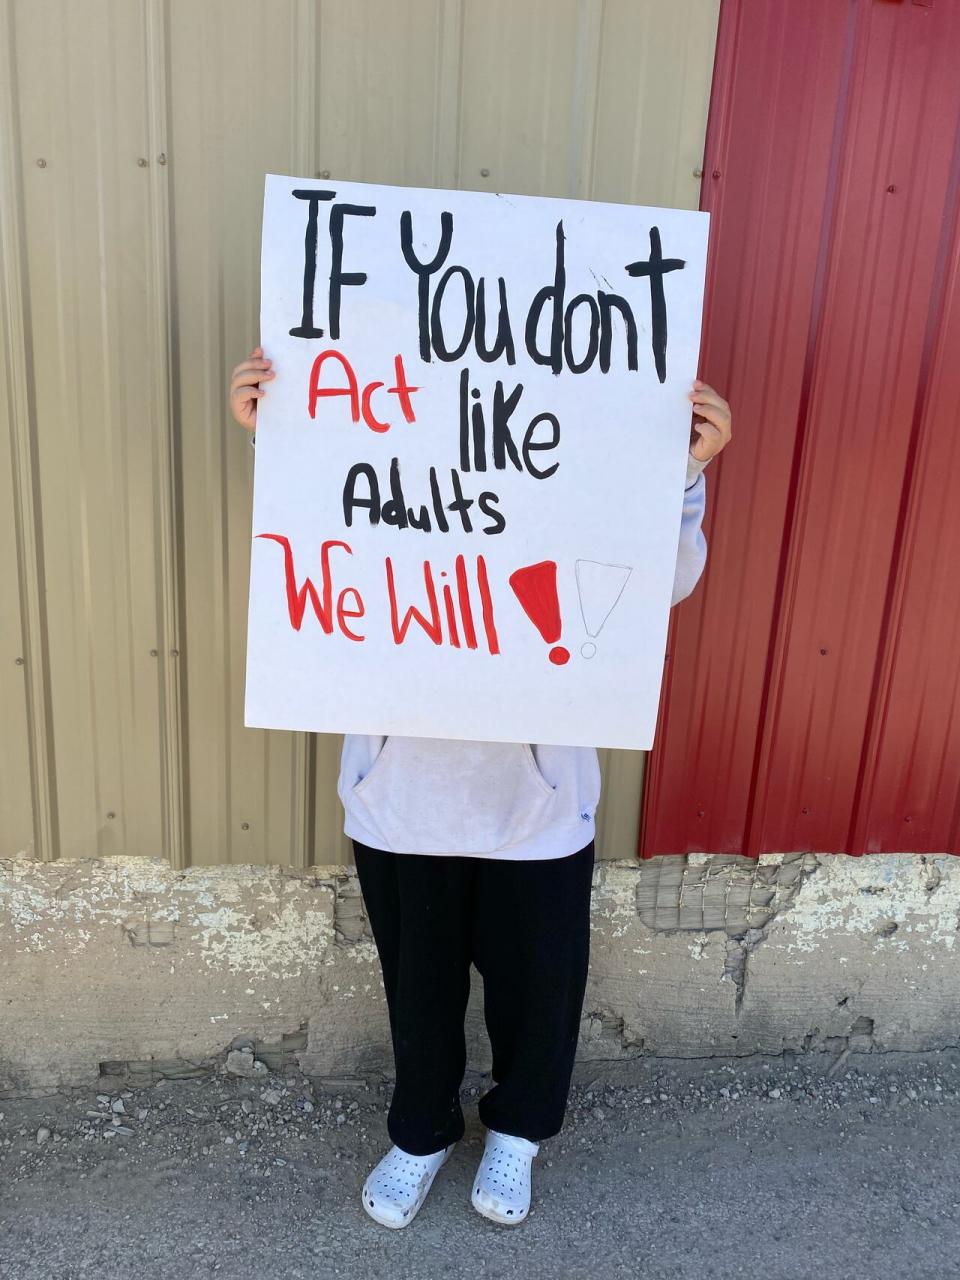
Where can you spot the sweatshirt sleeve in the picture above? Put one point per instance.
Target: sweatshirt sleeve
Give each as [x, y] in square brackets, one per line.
[692, 549]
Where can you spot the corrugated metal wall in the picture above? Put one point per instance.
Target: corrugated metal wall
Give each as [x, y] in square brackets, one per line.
[133, 142]
[815, 699]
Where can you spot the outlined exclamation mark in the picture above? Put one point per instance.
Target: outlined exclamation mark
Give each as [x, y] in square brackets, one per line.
[599, 587]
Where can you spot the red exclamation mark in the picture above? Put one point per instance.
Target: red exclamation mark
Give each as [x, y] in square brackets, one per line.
[535, 586]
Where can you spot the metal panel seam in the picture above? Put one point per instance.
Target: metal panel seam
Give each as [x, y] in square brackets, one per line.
[161, 395]
[15, 302]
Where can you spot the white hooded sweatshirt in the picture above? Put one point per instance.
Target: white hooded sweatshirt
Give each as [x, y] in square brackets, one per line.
[491, 799]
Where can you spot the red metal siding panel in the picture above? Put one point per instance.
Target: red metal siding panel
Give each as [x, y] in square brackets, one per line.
[911, 792]
[791, 716]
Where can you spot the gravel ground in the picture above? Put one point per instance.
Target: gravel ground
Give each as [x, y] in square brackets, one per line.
[784, 1168]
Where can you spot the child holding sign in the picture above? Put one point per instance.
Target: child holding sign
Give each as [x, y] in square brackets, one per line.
[483, 853]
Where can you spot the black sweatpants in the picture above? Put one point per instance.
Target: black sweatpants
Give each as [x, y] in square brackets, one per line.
[526, 927]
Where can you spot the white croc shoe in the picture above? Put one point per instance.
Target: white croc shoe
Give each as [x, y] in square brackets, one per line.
[397, 1187]
[501, 1189]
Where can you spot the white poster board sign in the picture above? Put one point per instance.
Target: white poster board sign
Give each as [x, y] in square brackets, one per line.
[470, 464]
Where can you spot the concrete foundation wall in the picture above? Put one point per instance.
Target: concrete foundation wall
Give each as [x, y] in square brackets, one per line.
[124, 964]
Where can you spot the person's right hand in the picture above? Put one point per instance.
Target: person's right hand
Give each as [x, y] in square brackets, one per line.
[245, 388]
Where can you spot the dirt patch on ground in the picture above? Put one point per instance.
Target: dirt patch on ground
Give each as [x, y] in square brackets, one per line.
[665, 1169]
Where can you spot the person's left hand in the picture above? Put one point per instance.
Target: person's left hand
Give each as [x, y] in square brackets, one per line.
[712, 423]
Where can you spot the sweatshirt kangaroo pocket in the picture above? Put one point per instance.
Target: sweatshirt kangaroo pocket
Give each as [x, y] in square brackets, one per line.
[433, 795]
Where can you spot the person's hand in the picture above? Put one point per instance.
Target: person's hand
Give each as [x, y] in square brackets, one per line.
[711, 422]
[245, 388]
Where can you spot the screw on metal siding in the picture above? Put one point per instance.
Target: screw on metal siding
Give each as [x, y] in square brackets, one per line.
[111, 814]
[162, 158]
[174, 653]
[891, 189]
[244, 826]
[484, 173]
[323, 173]
[716, 173]
[143, 162]
[41, 163]
[698, 173]
[823, 651]
[153, 653]
[19, 661]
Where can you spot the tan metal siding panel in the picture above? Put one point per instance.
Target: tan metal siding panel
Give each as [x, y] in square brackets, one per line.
[519, 113]
[16, 807]
[654, 91]
[386, 90]
[571, 97]
[234, 84]
[86, 220]
[26, 824]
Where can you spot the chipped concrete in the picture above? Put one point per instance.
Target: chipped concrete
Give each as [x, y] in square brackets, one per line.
[124, 965]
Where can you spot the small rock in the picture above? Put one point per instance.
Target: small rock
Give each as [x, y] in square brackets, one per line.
[104, 1098]
[125, 1130]
[241, 1062]
[775, 1093]
[271, 1097]
[117, 1107]
[42, 1136]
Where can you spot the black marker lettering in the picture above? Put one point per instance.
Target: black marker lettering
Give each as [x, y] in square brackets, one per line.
[555, 292]
[395, 511]
[503, 343]
[350, 500]
[593, 341]
[608, 303]
[655, 268]
[424, 270]
[503, 443]
[487, 502]
[436, 324]
[530, 445]
[306, 327]
[460, 504]
[438, 511]
[338, 278]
